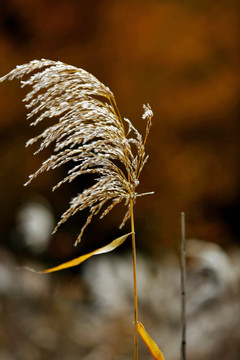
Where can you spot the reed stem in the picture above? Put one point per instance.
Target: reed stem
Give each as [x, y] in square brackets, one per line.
[134, 283]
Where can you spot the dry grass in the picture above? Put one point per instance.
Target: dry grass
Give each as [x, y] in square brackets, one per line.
[90, 132]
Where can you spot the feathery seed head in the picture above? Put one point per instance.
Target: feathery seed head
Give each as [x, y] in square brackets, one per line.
[148, 113]
[90, 132]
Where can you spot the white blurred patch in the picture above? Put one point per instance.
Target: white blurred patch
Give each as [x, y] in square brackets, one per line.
[35, 222]
[211, 278]
[212, 289]
[211, 275]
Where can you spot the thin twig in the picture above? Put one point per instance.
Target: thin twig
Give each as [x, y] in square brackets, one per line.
[134, 283]
[183, 287]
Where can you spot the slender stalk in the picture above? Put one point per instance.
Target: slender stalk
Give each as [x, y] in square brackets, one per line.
[183, 287]
[134, 283]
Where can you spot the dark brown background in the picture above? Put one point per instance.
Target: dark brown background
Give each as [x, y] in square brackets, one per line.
[182, 58]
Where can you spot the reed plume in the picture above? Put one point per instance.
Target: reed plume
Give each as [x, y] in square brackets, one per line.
[90, 133]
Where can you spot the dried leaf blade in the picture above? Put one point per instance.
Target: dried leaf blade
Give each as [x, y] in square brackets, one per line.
[74, 262]
[150, 343]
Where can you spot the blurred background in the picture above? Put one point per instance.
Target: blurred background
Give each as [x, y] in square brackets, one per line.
[182, 57]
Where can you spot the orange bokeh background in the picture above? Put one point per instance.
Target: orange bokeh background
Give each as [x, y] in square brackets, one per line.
[183, 59]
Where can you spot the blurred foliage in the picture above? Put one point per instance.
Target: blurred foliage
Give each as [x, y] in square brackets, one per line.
[182, 58]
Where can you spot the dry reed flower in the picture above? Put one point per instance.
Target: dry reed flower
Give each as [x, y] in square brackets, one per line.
[90, 132]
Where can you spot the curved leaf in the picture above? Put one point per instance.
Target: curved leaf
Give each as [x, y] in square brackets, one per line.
[74, 262]
[152, 346]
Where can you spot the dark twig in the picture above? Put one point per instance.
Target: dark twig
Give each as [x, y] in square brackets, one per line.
[183, 287]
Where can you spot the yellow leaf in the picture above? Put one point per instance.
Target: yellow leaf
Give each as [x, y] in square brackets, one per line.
[152, 346]
[74, 262]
